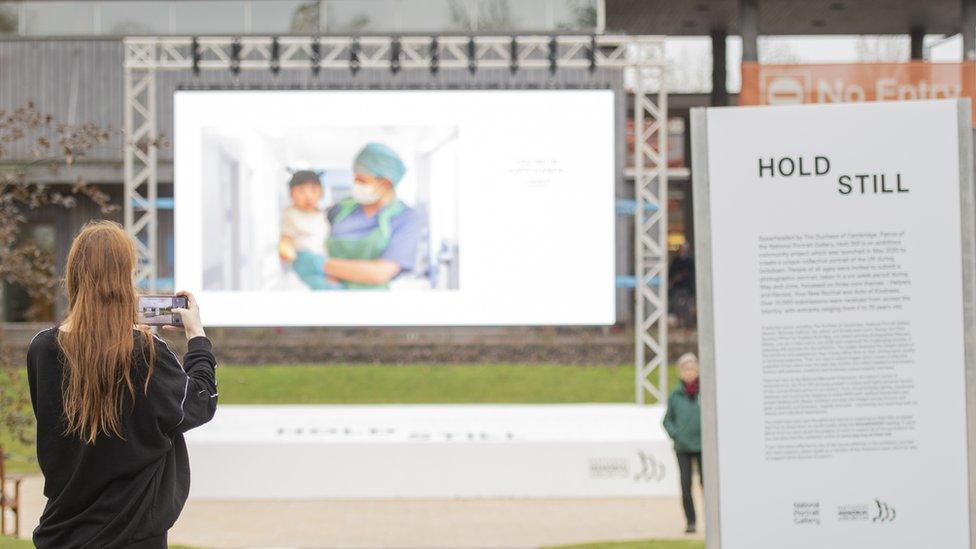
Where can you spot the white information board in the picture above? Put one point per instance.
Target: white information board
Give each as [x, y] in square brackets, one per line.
[835, 294]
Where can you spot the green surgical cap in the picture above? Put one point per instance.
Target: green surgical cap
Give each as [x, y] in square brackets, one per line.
[379, 160]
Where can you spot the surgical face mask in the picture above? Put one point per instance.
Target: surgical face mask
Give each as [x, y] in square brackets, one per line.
[365, 194]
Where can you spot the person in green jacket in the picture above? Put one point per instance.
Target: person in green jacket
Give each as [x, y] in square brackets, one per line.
[682, 421]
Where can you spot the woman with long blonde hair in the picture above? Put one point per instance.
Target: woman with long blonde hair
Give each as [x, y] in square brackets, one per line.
[112, 403]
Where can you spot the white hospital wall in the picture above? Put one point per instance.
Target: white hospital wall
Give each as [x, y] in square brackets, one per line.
[264, 182]
[262, 187]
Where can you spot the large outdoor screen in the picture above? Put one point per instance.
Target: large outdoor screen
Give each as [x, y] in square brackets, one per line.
[406, 207]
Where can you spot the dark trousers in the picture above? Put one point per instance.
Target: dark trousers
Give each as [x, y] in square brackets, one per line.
[684, 468]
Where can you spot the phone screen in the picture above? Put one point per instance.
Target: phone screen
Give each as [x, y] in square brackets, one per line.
[157, 310]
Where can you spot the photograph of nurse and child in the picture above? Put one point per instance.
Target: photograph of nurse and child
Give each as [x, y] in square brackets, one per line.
[330, 209]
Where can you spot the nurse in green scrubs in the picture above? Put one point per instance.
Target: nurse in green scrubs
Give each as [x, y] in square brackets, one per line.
[374, 236]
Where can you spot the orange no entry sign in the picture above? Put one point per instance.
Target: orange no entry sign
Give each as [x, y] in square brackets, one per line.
[851, 82]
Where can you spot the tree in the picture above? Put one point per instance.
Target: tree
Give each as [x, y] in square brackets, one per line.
[34, 147]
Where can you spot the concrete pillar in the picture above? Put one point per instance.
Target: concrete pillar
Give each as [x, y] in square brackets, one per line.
[917, 36]
[968, 30]
[720, 95]
[749, 29]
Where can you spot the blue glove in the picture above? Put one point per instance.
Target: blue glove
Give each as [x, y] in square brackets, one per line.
[309, 265]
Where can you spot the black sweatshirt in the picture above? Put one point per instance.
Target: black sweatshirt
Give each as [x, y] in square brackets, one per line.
[115, 492]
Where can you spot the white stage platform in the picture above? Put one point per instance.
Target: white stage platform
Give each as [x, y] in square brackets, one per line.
[432, 451]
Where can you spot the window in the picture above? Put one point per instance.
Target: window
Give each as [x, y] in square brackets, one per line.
[291, 16]
[436, 16]
[358, 16]
[140, 17]
[9, 19]
[208, 17]
[18, 304]
[59, 18]
[272, 17]
[574, 14]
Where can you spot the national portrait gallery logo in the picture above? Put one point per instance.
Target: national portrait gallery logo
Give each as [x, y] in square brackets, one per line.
[652, 469]
[876, 512]
[648, 468]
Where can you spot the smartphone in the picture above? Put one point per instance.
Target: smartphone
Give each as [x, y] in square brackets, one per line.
[157, 310]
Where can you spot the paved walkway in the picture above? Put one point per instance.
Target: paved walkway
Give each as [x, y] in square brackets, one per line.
[411, 523]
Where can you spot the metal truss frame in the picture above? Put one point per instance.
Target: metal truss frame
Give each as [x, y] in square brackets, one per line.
[640, 58]
[139, 162]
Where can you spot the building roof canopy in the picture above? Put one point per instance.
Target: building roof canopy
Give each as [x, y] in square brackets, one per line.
[785, 17]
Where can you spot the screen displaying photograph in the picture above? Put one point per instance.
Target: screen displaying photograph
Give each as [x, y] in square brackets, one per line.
[406, 207]
[288, 200]
[156, 310]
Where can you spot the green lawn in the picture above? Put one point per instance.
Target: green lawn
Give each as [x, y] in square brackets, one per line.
[11, 543]
[424, 383]
[20, 456]
[640, 544]
[410, 383]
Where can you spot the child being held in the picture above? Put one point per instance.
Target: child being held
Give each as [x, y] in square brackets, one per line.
[304, 229]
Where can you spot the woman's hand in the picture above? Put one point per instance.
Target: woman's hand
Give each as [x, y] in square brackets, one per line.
[190, 316]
